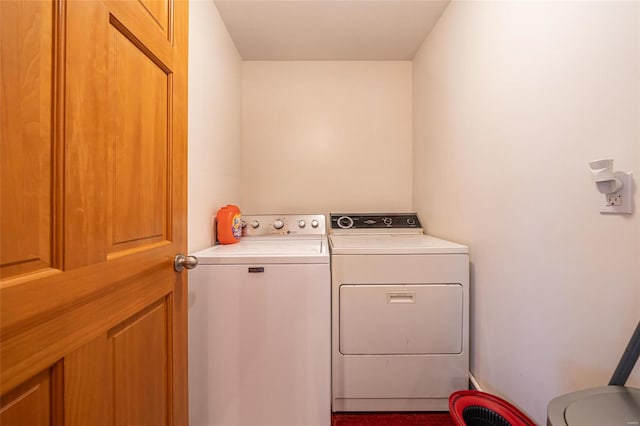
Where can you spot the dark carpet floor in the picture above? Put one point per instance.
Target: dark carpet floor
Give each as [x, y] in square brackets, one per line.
[391, 419]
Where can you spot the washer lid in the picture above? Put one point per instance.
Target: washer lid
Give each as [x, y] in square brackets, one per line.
[393, 244]
[266, 251]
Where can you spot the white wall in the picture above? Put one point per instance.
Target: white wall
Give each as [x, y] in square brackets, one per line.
[215, 156]
[511, 102]
[215, 117]
[326, 136]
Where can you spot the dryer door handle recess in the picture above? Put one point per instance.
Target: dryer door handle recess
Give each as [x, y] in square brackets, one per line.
[401, 297]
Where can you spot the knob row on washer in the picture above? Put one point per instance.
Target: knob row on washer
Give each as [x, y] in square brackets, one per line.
[279, 223]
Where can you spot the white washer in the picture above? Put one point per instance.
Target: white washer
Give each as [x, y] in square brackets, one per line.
[259, 326]
[400, 318]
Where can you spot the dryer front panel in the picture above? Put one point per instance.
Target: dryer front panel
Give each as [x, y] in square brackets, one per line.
[401, 319]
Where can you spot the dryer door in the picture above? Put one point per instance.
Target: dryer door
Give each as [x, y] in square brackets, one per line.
[401, 319]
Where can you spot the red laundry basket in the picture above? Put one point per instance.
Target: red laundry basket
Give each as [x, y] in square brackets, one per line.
[474, 408]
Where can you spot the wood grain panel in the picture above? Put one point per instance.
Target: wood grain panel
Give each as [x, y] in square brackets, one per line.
[159, 12]
[26, 43]
[140, 122]
[135, 18]
[58, 319]
[28, 404]
[86, 134]
[179, 38]
[30, 349]
[140, 368]
[87, 385]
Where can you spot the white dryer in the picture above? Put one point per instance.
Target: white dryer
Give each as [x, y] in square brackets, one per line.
[400, 315]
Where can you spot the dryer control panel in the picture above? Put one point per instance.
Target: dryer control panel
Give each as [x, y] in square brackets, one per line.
[378, 221]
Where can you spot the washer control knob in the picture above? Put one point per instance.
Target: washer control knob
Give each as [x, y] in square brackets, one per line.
[315, 223]
[255, 224]
[345, 222]
[411, 221]
[387, 221]
[278, 224]
[302, 223]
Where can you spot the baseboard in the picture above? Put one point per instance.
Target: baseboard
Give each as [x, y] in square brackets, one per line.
[473, 383]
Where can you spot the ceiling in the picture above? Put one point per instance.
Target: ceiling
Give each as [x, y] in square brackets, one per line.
[329, 29]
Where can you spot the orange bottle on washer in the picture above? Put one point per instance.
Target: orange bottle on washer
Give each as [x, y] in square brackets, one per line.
[229, 224]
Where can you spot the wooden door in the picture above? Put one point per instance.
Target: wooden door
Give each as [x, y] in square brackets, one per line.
[93, 327]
